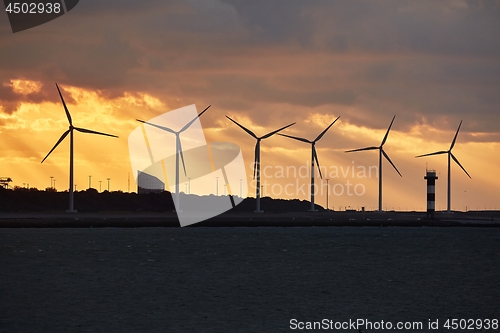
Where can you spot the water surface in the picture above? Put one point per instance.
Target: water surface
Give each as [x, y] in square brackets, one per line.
[242, 279]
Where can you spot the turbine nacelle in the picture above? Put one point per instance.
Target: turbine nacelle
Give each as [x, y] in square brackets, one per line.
[450, 154]
[313, 144]
[259, 139]
[314, 157]
[177, 135]
[380, 148]
[63, 136]
[256, 164]
[71, 127]
[450, 157]
[384, 154]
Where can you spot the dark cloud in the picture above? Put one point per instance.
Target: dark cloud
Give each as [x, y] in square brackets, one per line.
[421, 60]
[10, 99]
[275, 21]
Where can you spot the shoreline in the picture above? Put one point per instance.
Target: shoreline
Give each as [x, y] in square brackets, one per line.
[232, 219]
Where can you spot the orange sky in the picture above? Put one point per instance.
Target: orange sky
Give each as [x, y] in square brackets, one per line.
[314, 63]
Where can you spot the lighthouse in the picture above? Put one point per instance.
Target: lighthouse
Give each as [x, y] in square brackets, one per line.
[431, 192]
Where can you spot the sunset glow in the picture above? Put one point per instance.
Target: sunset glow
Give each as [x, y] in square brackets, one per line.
[311, 65]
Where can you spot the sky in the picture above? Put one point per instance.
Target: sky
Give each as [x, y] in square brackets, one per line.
[265, 64]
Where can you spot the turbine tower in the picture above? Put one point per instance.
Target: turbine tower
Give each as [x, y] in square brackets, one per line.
[256, 165]
[63, 136]
[314, 157]
[381, 152]
[178, 151]
[450, 155]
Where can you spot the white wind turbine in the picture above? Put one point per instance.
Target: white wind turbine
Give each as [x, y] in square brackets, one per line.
[450, 155]
[256, 166]
[63, 136]
[314, 157]
[381, 152]
[178, 151]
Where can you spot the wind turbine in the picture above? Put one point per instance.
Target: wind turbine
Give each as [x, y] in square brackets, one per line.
[381, 152]
[63, 136]
[314, 157]
[178, 151]
[256, 165]
[450, 154]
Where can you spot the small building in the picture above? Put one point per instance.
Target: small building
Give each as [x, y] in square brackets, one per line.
[149, 184]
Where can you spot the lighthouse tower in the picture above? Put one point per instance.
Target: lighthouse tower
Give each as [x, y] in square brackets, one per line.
[431, 192]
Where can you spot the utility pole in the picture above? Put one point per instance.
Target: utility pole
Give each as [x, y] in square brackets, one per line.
[51, 177]
[54, 184]
[108, 183]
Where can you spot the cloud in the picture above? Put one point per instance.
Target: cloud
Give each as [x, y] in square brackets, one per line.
[272, 62]
[15, 91]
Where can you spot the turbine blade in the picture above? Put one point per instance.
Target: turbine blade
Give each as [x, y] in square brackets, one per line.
[157, 126]
[362, 149]
[57, 143]
[326, 129]
[460, 165]
[296, 138]
[257, 158]
[65, 108]
[387, 157]
[455, 138]
[244, 128]
[83, 130]
[276, 131]
[317, 161]
[182, 155]
[436, 153]
[387, 133]
[192, 121]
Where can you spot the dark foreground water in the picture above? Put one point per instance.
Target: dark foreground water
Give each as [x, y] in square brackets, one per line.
[244, 279]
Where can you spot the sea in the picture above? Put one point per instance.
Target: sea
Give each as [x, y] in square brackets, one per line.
[244, 279]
